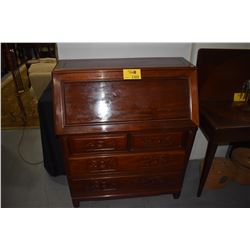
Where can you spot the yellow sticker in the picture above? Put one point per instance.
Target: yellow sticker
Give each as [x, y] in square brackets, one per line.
[131, 74]
[239, 97]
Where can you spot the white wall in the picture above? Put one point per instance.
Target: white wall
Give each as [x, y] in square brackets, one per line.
[123, 50]
[197, 46]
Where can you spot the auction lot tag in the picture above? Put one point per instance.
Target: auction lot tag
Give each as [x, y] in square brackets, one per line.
[239, 97]
[131, 74]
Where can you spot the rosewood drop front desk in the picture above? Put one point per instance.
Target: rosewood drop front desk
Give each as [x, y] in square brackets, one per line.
[126, 125]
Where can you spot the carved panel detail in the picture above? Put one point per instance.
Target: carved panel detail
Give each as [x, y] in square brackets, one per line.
[102, 185]
[102, 165]
[158, 141]
[100, 144]
[154, 162]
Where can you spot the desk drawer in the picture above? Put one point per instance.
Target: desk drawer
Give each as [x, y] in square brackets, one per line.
[152, 141]
[126, 185]
[95, 143]
[126, 163]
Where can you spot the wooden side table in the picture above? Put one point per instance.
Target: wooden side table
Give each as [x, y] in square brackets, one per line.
[221, 73]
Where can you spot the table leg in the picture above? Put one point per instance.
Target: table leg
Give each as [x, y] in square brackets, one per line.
[211, 149]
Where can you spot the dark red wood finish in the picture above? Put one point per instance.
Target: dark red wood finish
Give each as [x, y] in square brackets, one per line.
[127, 163]
[125, 138]
[126, 185]
[85, 144]
[95, 102]
[157, 140]
[221, 73]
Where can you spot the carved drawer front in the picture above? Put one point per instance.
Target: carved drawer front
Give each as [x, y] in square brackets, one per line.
[151, 141]
[130, 185]
[133, 163]
[78, 144]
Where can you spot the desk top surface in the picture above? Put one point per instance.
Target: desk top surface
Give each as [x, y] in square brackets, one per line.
[119, 63]
[226, 114]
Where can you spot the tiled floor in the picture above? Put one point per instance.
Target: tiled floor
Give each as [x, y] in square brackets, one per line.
[25, 185]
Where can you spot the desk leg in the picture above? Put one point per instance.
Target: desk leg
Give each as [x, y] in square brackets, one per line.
[176, 195]
[76, 203]
[211, 149]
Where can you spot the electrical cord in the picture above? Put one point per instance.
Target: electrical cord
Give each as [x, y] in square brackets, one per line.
[19, 148]
[29, 162]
